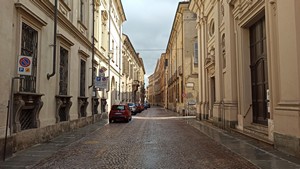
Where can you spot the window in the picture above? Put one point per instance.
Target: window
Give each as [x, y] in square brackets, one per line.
[196, 53]
[96, 31]
[117, 55]
[131, 71]
[212, 28]
[63, 72]
[82, 11]
[29, 46]
[112, 49]
[116, 91]
[118, 107]
[104, 31]
[82, 77]
[124, 61]
[223, 51]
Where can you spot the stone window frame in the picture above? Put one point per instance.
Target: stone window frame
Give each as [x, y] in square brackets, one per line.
[83, 56]
[25, 15]
[212, 28]
[65, 8]
[63, 42]
[82, 18]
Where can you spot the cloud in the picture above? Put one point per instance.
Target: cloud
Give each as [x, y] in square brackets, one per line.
[148, 27]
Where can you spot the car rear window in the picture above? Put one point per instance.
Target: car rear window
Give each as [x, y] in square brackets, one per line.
[130, 104]
[118, 107]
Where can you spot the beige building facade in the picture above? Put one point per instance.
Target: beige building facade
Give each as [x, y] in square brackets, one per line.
[248, 68]
[133, 73]
[57, 93]
[182, 67]
[150, 89]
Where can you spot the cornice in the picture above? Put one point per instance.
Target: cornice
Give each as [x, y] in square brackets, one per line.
[64, 39]
[48, 8]
[24, 10]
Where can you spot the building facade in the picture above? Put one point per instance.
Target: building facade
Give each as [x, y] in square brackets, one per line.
[133, 73]
[115, 22]
[248, 68]
[182, 67]
[54, 50]
[150, 90]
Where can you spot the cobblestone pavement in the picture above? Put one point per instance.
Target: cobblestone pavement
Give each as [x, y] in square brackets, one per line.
[155, 138]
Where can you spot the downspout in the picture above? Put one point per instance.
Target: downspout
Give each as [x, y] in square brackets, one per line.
[93, 45]
[109, 51]
[120, 57]
[182, 62]
[54, 42]
[93, 57]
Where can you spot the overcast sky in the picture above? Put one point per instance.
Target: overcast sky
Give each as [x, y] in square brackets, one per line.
[148, 27]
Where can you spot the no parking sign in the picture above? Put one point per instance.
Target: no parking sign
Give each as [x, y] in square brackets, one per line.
[25, 65]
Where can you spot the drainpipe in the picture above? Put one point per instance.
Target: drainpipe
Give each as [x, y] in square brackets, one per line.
[93, 43]
[109, 51]
[93, 56]
[120, 58]
[54, 42]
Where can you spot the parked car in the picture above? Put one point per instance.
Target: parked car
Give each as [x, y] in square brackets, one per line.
[139, 107]
[132, 108]
[119, 112]
[147, 105]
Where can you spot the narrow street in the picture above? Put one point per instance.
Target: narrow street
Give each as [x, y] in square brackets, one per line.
[154, 138]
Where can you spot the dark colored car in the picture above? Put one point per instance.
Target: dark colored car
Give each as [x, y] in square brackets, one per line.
[133, 108]
[119, 112]
[147, 105]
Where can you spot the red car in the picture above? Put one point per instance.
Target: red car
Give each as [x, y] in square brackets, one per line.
[139, 107]
[119, 112]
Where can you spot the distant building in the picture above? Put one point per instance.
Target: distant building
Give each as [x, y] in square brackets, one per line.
[133, 72]
[181, 54]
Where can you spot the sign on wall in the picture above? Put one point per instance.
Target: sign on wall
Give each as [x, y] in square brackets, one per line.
[101, 82]
[25, 65]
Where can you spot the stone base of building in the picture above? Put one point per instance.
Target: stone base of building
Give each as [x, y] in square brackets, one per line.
[200, 116]
[224, 123]
[287, 144]
[27, 138]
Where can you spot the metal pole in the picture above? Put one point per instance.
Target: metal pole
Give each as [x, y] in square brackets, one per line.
[9, 114]
[5, 140]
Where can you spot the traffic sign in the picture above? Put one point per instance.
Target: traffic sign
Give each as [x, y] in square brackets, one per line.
[101, 82]
[25, 65]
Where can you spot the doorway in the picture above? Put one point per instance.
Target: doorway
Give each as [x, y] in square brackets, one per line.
[259, 71]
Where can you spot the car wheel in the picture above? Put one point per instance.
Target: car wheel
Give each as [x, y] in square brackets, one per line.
[110, 121]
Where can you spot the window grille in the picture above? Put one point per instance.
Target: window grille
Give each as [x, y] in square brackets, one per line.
[29, 46]
[62, 114]
[63, 72]
[26, 119]
[82, 111]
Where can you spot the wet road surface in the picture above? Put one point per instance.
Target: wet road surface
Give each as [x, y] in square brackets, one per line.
[155, 138]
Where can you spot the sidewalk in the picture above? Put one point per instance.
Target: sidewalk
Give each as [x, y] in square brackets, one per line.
[31, 156]
[258, 153]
